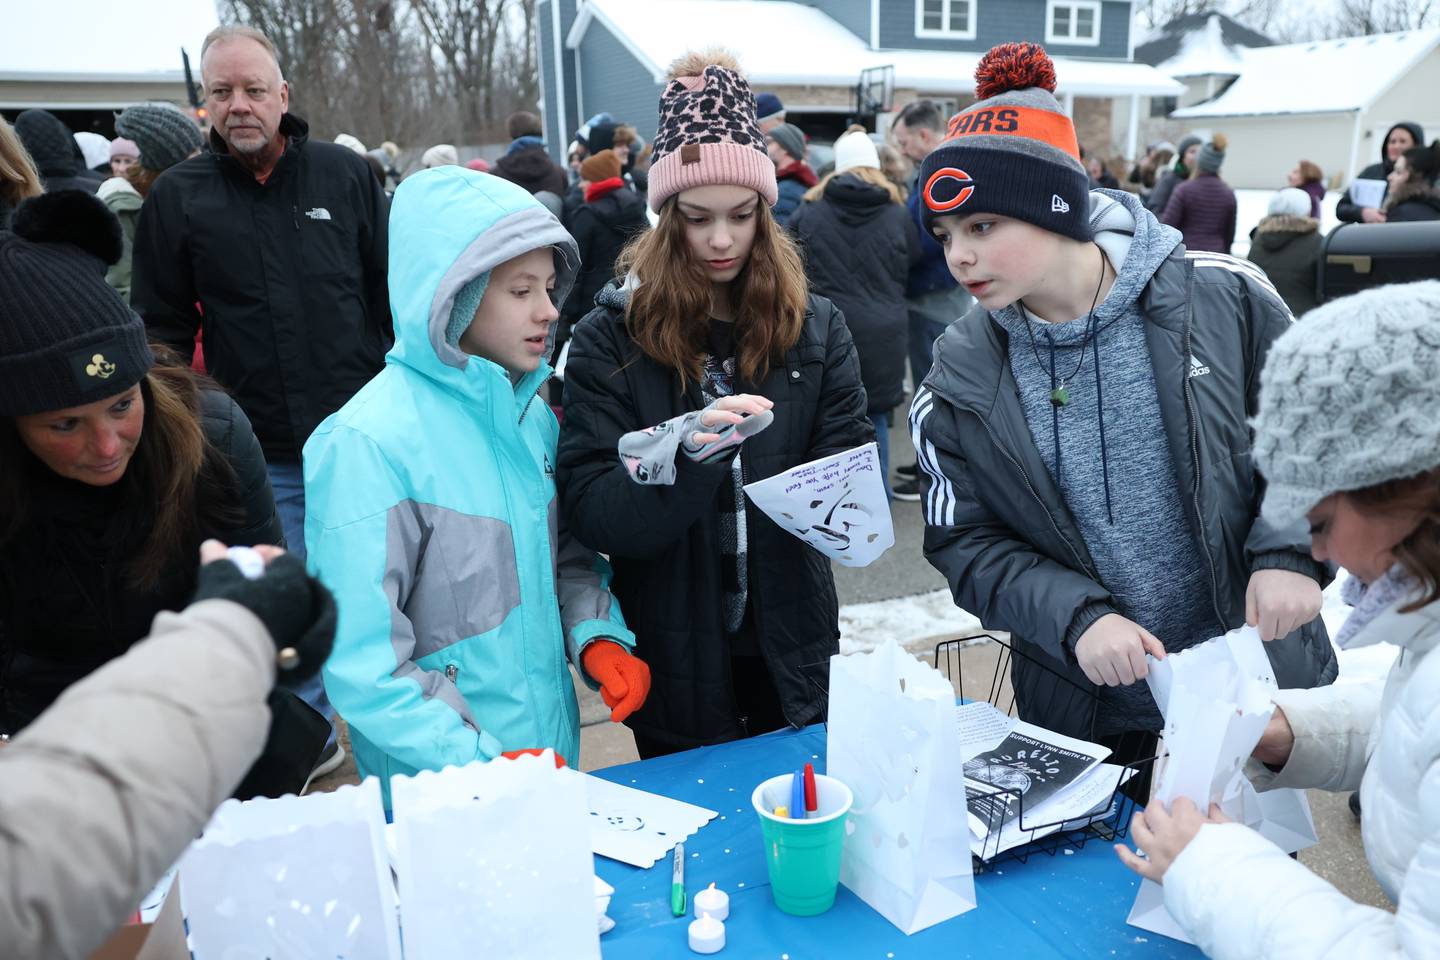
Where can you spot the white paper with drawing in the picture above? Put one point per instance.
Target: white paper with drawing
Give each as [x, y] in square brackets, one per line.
[636, 827]
[837, 504]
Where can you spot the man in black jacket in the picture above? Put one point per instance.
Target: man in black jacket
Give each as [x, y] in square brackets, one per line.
[278, 245]
[526, 163]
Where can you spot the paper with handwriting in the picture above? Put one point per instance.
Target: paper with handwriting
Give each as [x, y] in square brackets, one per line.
[837, 504]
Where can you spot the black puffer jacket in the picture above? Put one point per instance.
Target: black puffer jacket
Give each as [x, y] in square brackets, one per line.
[290, 275]
[65, 607]
[56, 154]
[998, 528]
[858, 250]
[601, 229]
[532, 169]
[664, 541]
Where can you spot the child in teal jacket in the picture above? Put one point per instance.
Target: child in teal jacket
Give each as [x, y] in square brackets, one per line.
[431, 502]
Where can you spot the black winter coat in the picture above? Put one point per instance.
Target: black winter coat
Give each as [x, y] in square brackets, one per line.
[1347, 210]
[289, 277]
[601, 229]
[53, 149]
[664, 541]
[1413, 202]
[65, 608]
[532, 169]
[998, 529]
[1288, 250]
[858, 247]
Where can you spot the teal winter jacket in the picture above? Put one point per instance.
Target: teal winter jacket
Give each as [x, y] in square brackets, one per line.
[431, 513]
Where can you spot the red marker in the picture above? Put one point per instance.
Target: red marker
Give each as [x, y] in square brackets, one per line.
[810, 802]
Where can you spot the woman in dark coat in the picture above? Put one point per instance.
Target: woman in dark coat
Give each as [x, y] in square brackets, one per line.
[1412, 194]
[113, 470]
[1399, 138]
[1287, 245]
[1203, 207]
[858, 244]
[611, 216]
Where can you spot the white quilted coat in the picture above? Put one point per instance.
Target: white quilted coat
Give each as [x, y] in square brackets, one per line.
[1239, 896]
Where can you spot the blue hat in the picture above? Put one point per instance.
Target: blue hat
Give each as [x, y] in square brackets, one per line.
[767, 105]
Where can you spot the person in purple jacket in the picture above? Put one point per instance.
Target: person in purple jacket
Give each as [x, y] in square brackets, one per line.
[1203, 207]
[1307, 176]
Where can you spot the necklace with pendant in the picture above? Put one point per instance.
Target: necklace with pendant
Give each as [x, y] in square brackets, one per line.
[1059, 392]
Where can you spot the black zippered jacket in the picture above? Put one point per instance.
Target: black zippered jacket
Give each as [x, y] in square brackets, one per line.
[998, 529]
[287, 277]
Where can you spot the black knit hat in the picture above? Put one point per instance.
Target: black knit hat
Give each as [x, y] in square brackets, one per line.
[1012, 152]
[66, 337]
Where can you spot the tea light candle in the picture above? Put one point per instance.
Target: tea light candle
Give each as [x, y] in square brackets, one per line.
[707, 935]
[714, 902]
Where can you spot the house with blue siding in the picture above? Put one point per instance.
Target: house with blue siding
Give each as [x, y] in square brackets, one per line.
[611, 56]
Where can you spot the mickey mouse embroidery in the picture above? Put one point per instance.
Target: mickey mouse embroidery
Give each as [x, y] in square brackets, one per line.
[100, 367]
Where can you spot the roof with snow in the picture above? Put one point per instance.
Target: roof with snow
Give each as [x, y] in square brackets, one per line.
[102, 40]
[1199, 44]
[1326, 76]
[782, 43]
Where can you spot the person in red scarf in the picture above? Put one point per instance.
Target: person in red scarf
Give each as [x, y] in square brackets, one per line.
[786, 146]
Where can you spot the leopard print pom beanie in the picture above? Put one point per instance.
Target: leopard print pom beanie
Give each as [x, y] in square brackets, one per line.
[707, 132]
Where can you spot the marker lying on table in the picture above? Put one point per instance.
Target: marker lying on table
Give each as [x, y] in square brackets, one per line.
[811, 802]
[677, 883]
[797, 796]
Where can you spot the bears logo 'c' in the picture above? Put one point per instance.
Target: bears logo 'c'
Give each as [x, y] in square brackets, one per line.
[948, 179]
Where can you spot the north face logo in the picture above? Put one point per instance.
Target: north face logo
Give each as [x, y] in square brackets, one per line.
[1058, 205]
[1198, 369]
[318, 213]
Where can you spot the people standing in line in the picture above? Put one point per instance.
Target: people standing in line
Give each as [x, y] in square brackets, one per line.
[934, 298]
[1287, 245]
[769, 111]
[1203, 208]
[1307, 177]
[1370, 492]
[1098, 528]
[280, 240]
[54, 152]
[858, 243]
[114, 469]
[708, 368]
[1399, 138]
[19, 180]
[785, 146]
[1412, 194]
[169, 137]
[526, 162]
[437, 481]
[1183, 168]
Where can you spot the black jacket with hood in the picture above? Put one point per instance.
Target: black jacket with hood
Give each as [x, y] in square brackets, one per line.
[1288, 250]
[1347, 211]
[57, 156]
[601, 230]
[532, 169]
[859, 246]
[289, 276]
[664, 541]
[998, 528]
[1413, 201]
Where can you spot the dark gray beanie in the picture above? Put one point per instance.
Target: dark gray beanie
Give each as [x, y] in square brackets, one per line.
[163, 132]
[790, 138]
[1212, 155]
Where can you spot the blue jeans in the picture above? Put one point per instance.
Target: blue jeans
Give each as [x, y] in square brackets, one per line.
[924, 331]
[882, 443]
[287, 483]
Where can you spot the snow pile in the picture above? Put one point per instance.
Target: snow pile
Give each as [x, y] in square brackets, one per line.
[1203, 52]
[917, 623]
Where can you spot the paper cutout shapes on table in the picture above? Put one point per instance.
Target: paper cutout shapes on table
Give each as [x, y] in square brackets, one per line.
[1216, 699]
[636, 827]
[837, 504]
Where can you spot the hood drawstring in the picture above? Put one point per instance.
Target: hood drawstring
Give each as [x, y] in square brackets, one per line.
[1055, 410]
[1100, 411]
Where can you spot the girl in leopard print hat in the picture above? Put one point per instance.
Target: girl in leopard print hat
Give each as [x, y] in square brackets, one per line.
[709, 367]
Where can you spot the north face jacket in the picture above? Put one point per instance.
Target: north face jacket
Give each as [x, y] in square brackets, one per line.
[431, 513]
[998, 529]
[290, 275]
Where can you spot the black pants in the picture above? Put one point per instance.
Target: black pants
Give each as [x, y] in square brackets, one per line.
[756, 702]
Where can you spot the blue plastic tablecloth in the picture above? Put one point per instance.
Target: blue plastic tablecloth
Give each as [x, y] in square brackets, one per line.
[1068, 905]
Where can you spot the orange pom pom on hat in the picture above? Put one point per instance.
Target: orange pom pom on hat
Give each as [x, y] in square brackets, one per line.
[1012, 152]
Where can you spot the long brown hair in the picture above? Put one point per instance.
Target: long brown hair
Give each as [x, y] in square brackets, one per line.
[175, 472]
[668, 308]
[18, 178]
[1418, 553]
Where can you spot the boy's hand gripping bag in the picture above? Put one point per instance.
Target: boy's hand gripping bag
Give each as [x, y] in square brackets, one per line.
[893, 740]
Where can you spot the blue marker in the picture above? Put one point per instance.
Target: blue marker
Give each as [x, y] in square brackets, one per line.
[797, 796]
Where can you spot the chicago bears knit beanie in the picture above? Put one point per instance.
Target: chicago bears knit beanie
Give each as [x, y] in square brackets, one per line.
[1012, 152]
[707, 132]
[1348, 398]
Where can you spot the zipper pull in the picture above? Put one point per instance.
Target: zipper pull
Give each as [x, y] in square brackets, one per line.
[451, 672]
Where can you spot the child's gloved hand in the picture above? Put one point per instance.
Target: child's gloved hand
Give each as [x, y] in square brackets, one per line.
[532, 752]
[623, 677]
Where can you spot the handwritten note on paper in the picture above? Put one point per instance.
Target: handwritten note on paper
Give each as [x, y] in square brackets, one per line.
[836, 504]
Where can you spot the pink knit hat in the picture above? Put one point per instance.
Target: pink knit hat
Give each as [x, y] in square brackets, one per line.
[708, 134]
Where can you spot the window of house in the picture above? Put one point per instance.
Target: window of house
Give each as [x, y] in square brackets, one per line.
[1163, 106]
[1073, 21]
[945, 18]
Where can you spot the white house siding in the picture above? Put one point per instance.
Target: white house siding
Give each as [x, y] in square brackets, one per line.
[1264, 149]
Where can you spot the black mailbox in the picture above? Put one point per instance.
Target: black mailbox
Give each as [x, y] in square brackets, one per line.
[1357, 256]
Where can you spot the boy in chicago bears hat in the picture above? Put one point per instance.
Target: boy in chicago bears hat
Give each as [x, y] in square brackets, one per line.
[1082, 433]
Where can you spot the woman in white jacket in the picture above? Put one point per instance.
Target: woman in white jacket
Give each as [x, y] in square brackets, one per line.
[1348, 435]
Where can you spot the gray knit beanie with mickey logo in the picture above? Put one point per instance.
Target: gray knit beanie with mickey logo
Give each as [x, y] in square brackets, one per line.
[1349, 398]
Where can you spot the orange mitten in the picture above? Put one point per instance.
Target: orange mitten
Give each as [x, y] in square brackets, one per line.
[516, 754]
[623, 677]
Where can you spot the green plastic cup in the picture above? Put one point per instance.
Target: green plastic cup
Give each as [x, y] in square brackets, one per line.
[803, 856]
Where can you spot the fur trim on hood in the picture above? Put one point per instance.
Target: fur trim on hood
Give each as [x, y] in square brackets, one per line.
[1285, 223]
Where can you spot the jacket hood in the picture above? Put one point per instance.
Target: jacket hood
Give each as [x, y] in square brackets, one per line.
[49, 143]
[856, 202]
[448, 225]
[1277, 231]
[119, 194]
[527, 165]
[1416, 131]
[1416, 191]
[1134, 242]
[621, 210]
